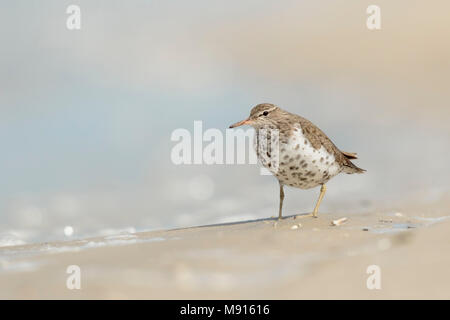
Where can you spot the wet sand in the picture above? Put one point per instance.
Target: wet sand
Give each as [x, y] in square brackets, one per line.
[296, 258]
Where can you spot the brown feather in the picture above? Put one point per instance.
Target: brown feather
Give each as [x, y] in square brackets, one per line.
[350, 155]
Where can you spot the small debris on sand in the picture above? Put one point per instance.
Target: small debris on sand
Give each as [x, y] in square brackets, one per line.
[338, 222]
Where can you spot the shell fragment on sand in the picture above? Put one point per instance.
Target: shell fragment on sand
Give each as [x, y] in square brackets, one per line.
[338, 222]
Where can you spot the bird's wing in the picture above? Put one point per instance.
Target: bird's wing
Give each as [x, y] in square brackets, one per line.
[318, 139]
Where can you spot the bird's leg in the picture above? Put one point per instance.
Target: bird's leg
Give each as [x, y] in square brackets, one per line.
[280, 215]
[322, 193]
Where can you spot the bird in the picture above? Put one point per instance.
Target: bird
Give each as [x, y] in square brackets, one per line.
[296, 151]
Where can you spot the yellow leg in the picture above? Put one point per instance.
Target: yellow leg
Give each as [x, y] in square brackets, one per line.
[322, 193]
[280, 214]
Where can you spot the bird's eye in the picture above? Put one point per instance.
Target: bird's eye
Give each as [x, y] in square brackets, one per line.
[265, 113]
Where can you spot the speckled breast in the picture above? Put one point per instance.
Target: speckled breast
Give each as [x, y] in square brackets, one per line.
[297, 163]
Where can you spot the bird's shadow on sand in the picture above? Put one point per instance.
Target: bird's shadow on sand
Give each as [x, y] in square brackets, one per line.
[275, 219]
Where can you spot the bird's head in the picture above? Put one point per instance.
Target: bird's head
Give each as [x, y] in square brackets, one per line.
[261, 115]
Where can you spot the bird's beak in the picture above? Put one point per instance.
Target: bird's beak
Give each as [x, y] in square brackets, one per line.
[241, 123]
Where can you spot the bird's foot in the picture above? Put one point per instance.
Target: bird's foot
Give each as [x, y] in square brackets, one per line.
[306, 215]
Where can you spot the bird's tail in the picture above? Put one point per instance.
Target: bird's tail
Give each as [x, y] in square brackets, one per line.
[350, 155]
[349, 167]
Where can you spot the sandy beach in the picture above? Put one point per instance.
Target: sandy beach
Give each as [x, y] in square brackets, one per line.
[296, 258]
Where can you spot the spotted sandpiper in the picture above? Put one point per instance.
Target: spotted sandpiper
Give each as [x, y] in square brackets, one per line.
[306, 157]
